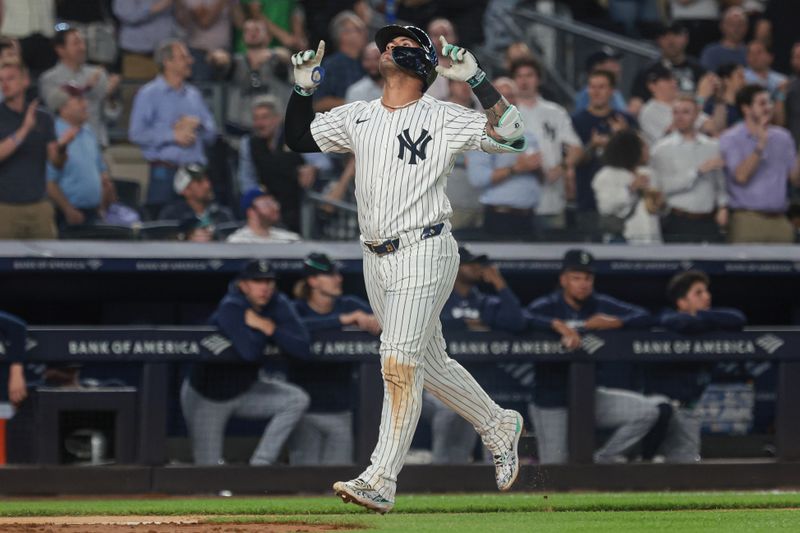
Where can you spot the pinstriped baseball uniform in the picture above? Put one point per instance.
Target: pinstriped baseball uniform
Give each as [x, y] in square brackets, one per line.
[402, 162]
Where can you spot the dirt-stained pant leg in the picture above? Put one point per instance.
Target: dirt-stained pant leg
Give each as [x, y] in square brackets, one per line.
[407, 291]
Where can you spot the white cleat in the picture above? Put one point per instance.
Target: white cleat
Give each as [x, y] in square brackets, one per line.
[359, 492]
[506, 461]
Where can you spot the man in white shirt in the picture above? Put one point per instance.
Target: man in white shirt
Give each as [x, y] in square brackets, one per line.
[552, 127]
[655, 119]
[687, 167]
[370, 86]
[262, 212]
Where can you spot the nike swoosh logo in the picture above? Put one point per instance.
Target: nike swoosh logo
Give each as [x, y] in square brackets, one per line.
[359, 121]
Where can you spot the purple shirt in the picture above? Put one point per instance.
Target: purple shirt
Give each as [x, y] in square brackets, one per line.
[156, 109]
[766, 188]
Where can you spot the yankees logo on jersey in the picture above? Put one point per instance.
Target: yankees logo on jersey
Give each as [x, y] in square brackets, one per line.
[416, 147]
[402, 159]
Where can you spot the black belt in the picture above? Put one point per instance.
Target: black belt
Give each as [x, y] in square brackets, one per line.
[392, 245]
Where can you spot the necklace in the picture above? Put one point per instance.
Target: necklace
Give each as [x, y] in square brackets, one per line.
[399, 106]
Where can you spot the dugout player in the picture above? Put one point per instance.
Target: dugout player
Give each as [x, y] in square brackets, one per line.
[324, 435]
[683, 382]
[12, 333]
[251, 315]
[405, 144]
[572, 311]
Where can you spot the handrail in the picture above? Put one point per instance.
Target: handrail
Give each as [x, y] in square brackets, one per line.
[579, 29]
[322, 199]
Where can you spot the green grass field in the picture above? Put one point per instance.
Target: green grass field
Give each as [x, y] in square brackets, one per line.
[590, 512]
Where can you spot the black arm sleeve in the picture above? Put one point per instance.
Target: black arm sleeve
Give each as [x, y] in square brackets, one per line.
[299, 114]
[487, 95]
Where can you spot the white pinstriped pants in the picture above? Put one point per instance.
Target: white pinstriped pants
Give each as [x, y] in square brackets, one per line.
[407, 290]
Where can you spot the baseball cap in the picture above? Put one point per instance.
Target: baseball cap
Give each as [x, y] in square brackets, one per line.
[577, 260]
[61, 95]
[659, 72]
[250, 196]
[676, 28]
[466, 257]
[257, 269]
[605, 53]
[318, 263]
[185, 175]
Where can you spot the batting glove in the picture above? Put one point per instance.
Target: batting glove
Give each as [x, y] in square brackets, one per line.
[464, 66]
[308, 73]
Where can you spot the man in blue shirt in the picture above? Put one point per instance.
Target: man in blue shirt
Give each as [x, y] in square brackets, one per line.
[594, 125]
[77, 188]
[170, 122]
[572, 311]
[469, 308]
[251, 315]
[325, 433]
[683, 383]
[350, 36]
[604, 59]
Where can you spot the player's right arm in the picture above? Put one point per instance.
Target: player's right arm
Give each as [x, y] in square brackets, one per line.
[306, 131]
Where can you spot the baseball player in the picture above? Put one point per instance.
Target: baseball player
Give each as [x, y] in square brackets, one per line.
[405, 144]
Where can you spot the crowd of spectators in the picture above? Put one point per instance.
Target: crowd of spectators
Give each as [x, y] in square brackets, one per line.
[729, 65]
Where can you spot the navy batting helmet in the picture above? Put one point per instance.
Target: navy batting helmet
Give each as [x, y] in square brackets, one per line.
[421, 62]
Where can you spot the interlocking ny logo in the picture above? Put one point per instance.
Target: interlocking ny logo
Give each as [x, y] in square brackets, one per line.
[769, 343]
[417, 148]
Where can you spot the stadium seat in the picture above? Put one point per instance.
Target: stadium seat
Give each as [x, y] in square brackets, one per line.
[160, 230]
[106, 232]
[129, 192]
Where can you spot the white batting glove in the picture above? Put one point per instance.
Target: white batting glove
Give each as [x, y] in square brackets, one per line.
[308, 73]
[464, 66]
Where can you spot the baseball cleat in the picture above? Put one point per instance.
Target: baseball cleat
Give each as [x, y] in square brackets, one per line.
[357, 491]
[506, 462]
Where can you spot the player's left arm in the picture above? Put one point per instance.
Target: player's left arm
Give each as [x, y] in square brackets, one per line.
[505, 129]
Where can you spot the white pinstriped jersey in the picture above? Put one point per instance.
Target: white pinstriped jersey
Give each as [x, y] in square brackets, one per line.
[402, 158]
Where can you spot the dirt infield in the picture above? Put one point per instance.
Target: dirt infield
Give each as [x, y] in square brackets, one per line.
[148, 524]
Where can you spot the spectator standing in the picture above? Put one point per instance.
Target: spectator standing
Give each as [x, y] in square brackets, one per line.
[687, 168]
[170, 122]
[572, 311]
[731, 48]
[759, 160]
[264, 160]
[76, 188]
[655, 117]
[207, 24]
[509, 183]
[350, 36]
[672, 41]
[324, 435]
[683, 383]
[634, 15]
[463, 196]
[370, 87]
[256, 71]
[143, 26]
[197, 199]
[28, 143]
[32, 23]
[98, 86]
[252, 315]
[606, 59]
[261, 212]
[701, 18]
[628, 203]
[721, 105]
[437, 28]
[285, 22]
[792, 107]
[559, 145]
[594, 127]
[759, 71]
